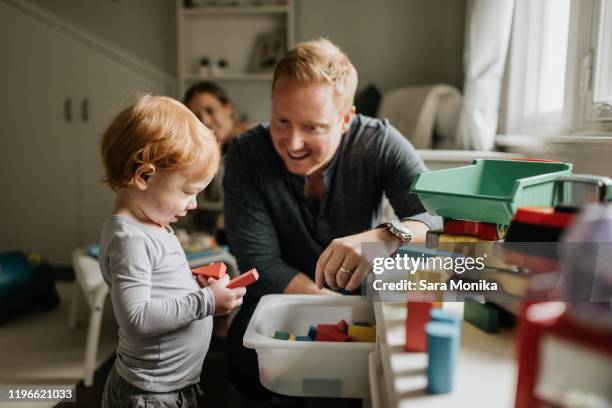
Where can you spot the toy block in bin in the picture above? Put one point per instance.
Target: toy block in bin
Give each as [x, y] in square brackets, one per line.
[482, 230]
[362, 333]
[281, 335]
[418, 316]
[342, 326]
[214, 270]
[312, 333]
[244, 280]
[303, 338]
[330, 332]
[482, 315]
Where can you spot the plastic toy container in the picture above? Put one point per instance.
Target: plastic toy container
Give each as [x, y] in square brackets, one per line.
[310, 368]
[488, 190]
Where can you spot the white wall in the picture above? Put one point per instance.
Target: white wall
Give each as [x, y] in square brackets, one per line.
[144, 28]
[391, 42]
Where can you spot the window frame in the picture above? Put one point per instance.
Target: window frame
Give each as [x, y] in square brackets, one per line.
[579, 112]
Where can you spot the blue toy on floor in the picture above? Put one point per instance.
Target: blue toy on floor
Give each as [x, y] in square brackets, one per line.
[26, 283]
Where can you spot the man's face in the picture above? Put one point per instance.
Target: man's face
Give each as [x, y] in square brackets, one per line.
[306, 125]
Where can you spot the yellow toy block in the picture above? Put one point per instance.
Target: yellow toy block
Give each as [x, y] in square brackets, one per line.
[291, 337]
[362, 333]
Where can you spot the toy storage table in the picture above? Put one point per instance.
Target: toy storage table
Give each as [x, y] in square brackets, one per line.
[485, 376]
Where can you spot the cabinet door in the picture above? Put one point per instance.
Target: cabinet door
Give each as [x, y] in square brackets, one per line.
[108, 86]
[38, 155]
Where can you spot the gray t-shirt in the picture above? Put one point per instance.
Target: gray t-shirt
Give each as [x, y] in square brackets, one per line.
[272, 226]
[164, 317]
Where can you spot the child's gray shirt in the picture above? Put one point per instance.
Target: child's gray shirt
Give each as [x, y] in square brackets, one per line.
[164, 316]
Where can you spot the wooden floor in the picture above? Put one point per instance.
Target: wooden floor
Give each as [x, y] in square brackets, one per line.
[218, 391]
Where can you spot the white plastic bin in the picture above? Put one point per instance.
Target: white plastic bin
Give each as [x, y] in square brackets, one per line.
[304, 368]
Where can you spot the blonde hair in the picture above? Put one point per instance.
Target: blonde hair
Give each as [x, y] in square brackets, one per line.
[162, 132]
[320, 61]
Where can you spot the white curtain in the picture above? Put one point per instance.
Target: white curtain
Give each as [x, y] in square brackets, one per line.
[487, 33]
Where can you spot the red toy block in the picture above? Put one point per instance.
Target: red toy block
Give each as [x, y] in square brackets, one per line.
[214, 270]
[244, 280]
[329, 332]
[342, 325]
[482, 230]
[418, 317]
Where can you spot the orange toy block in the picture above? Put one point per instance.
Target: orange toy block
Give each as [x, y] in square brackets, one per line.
[329, 332]
[244, 280]
[418, 317]
[214, 270]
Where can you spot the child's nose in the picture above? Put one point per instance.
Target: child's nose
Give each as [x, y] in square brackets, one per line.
[193, 203]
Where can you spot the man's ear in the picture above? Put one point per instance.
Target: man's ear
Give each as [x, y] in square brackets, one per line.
[347, 118]
[143, 175]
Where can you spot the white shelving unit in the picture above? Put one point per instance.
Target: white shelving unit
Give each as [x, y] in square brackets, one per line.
[485, 376]
[230, 33]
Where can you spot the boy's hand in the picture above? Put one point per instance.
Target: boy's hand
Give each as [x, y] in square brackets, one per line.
[225, 299]
[205, 282]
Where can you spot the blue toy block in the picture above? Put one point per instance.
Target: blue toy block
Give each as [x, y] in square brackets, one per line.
[303, 338]
[446, 316]
[443, 351]
[312, 332]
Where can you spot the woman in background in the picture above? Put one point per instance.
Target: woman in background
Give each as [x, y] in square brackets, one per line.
[211, 104]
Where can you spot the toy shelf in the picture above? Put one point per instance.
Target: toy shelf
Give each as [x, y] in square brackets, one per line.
[486, 370]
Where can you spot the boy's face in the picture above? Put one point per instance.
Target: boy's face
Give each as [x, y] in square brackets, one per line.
[167, 195]
[306, 125]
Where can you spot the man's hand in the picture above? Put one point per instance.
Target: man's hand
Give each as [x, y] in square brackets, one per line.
[301, 284]
[342, 264]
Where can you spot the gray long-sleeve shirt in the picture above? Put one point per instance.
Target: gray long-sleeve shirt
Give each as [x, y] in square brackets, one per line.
[164, 317]
[273, 227]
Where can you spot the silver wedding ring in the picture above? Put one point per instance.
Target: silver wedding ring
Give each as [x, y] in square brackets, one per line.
[345, 270]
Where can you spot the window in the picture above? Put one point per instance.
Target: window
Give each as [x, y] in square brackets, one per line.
[559, 71]
[602, 84]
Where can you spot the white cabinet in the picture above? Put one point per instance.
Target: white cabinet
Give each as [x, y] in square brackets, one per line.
[230, 33]
[57, 96]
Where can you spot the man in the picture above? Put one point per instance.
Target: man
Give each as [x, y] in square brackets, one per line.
[303, 194]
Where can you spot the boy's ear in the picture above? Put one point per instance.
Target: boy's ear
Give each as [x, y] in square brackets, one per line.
[143, 175]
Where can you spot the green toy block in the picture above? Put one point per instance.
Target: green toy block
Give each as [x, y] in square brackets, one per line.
[281, 335]
[484, 316]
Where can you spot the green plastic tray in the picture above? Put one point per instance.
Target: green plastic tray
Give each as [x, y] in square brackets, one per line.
[488, 190]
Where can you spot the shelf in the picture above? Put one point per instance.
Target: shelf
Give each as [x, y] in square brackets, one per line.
[482, 355]
[237, 10]
[233, 77]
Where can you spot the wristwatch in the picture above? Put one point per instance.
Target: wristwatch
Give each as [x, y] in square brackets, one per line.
[398, 229]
